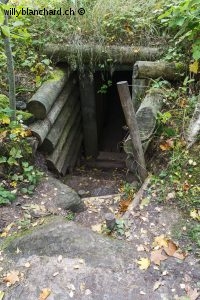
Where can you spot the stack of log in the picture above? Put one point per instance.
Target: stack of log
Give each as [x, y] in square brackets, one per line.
[56, 105]
[147, 110]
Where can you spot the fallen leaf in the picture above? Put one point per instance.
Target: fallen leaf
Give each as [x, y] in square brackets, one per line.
[179, 255]
[192, 294]
[1, 295]
[194, 67]
[160, 241]
[157, 256]
[76, 267]
[59, 259]
[169, 144]
[97, 228]
[143, 263]
[12, 277]
[27, 265]
[157, 284]
[44, 294]
[88, 292]
[144, 202]
[124, 204]
[171, 248]
[195, 214]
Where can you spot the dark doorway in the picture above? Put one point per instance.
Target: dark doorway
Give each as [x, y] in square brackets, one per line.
[110, 116]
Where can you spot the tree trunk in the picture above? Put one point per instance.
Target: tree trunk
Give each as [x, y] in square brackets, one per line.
[194, 127]
[75, 117]
[95, 54]
[131, 121]
[42, 101]
[10, 70]
[156, 69]
[41, 128]
[56, 130]
[146, 119]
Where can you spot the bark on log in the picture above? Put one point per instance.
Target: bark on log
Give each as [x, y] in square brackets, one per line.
[72, 134]
[131, 121]
[139, 87]
[53, 158]
[194, 127]
[156, 69]
[146, 119]
[41, 102]
[137, 199]
[56, 130]
[72, 155]
[96, 54]
[41, 128]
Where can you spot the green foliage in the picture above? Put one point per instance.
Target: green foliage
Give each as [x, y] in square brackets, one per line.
[120, 227]
[182, 18]
[6, 196]
[15, 157]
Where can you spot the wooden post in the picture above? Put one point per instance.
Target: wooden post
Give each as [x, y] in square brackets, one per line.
[131, 121]
[88, 108]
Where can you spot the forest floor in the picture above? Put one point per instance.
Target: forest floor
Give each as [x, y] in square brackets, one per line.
[147, 256]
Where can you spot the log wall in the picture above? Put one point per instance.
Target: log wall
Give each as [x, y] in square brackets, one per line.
[58, 129]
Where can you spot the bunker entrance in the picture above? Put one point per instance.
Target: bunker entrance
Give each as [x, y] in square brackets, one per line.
[106, 149]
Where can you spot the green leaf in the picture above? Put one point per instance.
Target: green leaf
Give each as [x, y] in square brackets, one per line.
[1, 16]
[17, 24]
[5, 30]
[3, 159]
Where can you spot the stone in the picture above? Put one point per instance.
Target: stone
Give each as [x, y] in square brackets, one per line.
[63, 196]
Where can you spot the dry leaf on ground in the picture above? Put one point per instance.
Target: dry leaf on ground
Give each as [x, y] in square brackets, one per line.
[44, 294]
[97, 228]
[192, 294]
[157, 256]
[160, 241]
[171, 248]
[12, 277]
[143, 263]
[2, 294]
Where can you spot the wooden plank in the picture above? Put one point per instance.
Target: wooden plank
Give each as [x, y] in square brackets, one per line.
[131, 121]
[88, 107]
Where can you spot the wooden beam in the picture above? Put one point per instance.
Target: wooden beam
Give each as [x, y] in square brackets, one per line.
[131, 121]
[88, 107]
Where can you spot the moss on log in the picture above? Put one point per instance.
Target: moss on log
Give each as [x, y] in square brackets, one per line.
[156, 69]
[41, 102]
[95, 54]
[56, 130]
[41, 128]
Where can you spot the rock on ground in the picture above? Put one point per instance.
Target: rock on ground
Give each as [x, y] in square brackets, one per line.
[74, 262]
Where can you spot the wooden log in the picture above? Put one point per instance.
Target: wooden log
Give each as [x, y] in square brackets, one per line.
[139, 87]
[74, 132]
[156, 69]
[194, 126]
[75, 117]
[88, 107]
[146, 119]
[137, 199]
[131, 121]
[95, 54]
[72, 155]
[56, 130]
[41, 128]
[41, 102]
